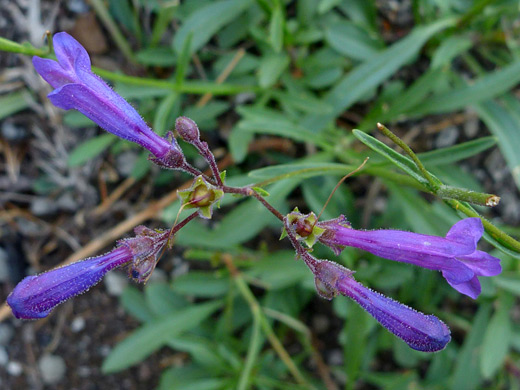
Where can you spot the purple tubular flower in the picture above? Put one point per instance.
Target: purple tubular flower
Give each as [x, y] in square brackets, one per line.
[35, 296]
[420, 331]
[78, 88]
[455, 255]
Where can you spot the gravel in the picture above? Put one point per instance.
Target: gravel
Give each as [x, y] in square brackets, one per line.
[52, 368]
[115, 283]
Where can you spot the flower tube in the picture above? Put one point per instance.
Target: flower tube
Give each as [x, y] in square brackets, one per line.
[76, 87]
[35, 296]
[421, 332]
[455, 256]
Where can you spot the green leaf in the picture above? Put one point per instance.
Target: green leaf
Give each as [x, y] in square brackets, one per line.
[496, 339]
[14, 102]
[201, 284]
[300, 170]
[207, 20]
[278, 270]
[76, 119]
[156, 56]
[164, 118]
[457, 152]
[509, 282]
[352, 41]
[189, 377]
[184, 60]
[134, 303]
[151, 336]
[206, 116]
[466, 374]
[161, 299]
[399, 160]
[276, 29]
[486, 87]
[239, 143]
[367, 76]
[91, 148]
[266, 121]
[504, 123]
[141, 166]
[449, 49]
[271, 68]
[327, 5]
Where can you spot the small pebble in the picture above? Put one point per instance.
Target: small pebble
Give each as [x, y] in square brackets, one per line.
[447, 137]
[115, 283]
[335, 357]
[6, 334]
[52, 368]
[83, 372]
[104, 350]
[43, 207]
[14, 368]
[126, 162]
[471, 126]
[12, 132]
[320, 323]
[4, 268]
[4, 358]
[77, 325]
[67, 203]
[77, 6]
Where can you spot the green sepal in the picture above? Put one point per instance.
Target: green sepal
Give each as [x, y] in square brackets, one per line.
[223, 176]
[260, 191]
[310, 238]
[210, 195]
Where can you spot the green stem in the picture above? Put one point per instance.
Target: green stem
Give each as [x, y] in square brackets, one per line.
[257, 313]
[465, 195]
[252, 354]
[14, 47]
[192, 87]
[111, 26]
[399, 142]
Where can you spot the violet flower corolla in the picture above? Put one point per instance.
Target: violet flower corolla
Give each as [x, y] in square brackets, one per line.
[35, 296]
[456, 256]
[77, 87]
[421, 332]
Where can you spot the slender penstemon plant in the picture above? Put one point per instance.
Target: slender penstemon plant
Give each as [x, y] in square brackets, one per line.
[456, 255]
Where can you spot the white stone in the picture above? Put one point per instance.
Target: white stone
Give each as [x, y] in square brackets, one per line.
[115, 283]
[52, 368]
[14, 368]
[78, 324]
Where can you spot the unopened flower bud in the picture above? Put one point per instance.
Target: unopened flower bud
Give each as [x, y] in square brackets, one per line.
[187, 129]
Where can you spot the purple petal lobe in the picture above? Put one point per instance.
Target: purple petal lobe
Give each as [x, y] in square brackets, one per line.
[455, 255]
[471, 288]
[52, 72]
[466, 232]
[35, 296]
[69, 52]
[482, 263]
[76, 87]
